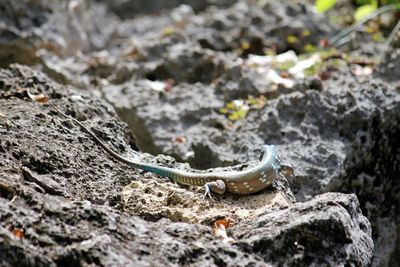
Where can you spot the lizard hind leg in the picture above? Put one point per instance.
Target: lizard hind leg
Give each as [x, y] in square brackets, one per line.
[217, 186]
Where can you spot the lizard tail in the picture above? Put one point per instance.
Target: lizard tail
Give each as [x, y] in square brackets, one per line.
[163, 171]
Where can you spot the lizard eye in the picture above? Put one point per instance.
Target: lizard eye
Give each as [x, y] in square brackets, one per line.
[262, 154]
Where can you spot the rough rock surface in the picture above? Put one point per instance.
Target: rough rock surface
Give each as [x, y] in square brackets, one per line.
[63, 200]
[130, 8]
[372, 167]
[167, 75]
[29, 30]
[389, 69]
[323, 123]
[339, 140]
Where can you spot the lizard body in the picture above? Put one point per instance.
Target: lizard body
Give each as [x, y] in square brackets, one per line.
[247, 181]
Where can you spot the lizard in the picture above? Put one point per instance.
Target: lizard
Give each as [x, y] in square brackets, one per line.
[250, 180]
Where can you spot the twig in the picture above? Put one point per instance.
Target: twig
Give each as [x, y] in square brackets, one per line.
[392, 34]
[333, 40]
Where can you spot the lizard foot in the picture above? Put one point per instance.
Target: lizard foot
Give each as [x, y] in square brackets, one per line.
[217, 186]
[207, 192]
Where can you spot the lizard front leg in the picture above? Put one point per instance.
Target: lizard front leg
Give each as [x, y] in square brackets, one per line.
[217, 186]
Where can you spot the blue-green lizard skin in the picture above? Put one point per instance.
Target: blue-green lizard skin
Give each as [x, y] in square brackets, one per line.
[248, 181]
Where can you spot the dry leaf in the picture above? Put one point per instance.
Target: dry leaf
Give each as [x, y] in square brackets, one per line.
[41, 98]
[300, 67]
[324, 75]
[274, 78]
[180, 139]
[220, 227]
[168, 85]
[284, 74]
[227, 222]
[324, 43]
[286, 56]
[361, 71]
[156, 85]
[259, 60]
[18, 233]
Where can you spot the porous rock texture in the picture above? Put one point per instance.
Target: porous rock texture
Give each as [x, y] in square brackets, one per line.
[130, 8]
[62, 202]
[168, 74]
[372, 166]
[29, 29]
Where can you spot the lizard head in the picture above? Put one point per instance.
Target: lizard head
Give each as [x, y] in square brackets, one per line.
[266, 150]
[269, 153]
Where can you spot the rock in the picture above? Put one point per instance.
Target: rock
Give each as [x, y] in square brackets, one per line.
[347, 134]
[388, 70]
[28, 29]
[63, 201]
[371, 168]
[154, 128]
[167, 48]
[253, 27]
[322, 123]
[168, 74]
[130, 8]
[331, 223]
[184, 63]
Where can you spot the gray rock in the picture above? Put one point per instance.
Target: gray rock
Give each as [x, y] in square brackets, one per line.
[28, 29]
[158, 130]
[322, 123]
[130, 8]
[262, 24]
[372, 165]
[339, 139]
[388, 70]
[340, 134]
[61, 201]
[347, 233]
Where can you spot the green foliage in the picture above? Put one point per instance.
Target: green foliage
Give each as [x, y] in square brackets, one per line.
[324, 5]
[291, 39]
[309, 48]
[313, 70]
[391, 2]
[283, 66]
[238, 115]
[238, 109]
[306, 32]
[365, 7]
[363, 2]
[377, 37]
[365, 10]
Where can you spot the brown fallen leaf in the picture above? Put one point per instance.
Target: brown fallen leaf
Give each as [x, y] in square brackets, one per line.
[284, 74]
[180, 139]
[41, 98]
[324, 43]
[219, 229]
[227, 222]
[325, 75]
[18, 233]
